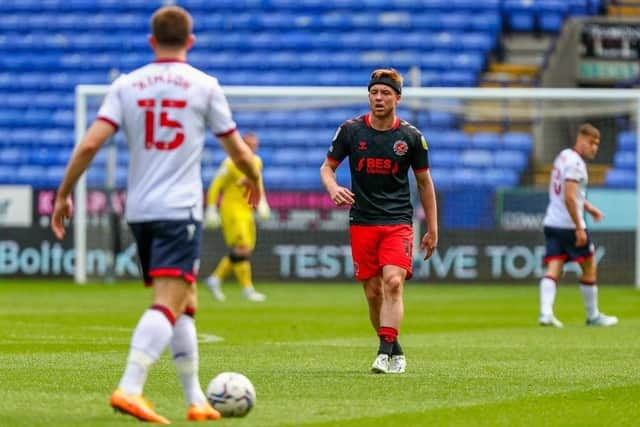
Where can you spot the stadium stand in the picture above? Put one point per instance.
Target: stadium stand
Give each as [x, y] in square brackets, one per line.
[49, 46]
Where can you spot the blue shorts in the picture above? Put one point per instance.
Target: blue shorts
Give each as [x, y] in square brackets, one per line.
[561, 244]
[168, 248]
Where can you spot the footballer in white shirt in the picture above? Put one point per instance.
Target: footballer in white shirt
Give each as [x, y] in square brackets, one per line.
[566, 236]
[164, 109]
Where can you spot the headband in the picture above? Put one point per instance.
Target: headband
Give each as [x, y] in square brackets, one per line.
[385, 81]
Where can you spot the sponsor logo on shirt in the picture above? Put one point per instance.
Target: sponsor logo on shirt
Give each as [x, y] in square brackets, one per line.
[377, 166]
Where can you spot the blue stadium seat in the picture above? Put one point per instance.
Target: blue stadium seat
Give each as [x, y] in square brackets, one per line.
[520, 15]
[12, 156]
[551, 15]
[513, 159]
[450, 139]
[627, 140]
[500, 178]
[475, 158]
[486, 140]
[468, 177]
[34, 175]
[625, 160]
[41, 156]
[517, 141]
[54, 175]
[286, 156]
[444, 159]
[442, 178]
[620, 178]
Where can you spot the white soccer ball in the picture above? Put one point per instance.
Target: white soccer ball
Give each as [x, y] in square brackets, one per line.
[232, 394]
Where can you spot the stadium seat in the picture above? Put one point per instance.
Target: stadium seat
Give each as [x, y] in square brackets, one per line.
[486, 140]
[12, 156]
[444, 159]
[450, 139]
[520, 15]
[551, 15]
[500, 178]
[517, 141]
[475, 158]
[620, 178]
[625, 160]
[627, 140]
[315, 42]
[510, 159]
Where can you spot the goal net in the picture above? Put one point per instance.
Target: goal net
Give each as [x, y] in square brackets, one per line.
[491, 151]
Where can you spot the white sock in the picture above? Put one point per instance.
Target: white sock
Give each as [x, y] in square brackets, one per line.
[184, 350]
[150, 337]
[547, 295]
[213, 282]
[590, 295]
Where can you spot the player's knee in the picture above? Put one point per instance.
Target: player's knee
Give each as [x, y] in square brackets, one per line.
[393, 285]
[238, 257]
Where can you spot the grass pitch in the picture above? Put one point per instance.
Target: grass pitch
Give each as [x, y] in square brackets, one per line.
[475, 357]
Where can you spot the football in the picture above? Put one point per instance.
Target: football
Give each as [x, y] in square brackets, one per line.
[232, 394]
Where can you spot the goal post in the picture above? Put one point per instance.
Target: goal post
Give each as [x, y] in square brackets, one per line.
[478, 109]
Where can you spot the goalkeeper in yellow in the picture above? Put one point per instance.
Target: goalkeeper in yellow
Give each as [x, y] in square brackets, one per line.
[235, 216]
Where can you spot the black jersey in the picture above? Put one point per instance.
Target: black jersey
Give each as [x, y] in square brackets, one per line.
[379, 162]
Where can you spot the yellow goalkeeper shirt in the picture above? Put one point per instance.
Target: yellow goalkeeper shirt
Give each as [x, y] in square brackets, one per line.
[227, 186]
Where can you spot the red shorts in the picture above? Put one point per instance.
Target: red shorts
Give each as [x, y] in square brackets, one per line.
[374, 246]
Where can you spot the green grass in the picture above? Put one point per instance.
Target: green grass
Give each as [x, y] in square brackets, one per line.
[475, 357]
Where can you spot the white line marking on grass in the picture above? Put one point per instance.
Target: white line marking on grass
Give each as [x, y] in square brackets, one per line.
[206, 338]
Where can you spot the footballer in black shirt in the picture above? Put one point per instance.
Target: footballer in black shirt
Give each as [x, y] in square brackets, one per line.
[381, 149]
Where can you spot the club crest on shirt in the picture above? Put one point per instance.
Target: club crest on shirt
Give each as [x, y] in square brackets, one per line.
[400, 148]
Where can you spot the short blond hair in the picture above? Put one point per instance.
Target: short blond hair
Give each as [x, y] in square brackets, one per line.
[587, 129]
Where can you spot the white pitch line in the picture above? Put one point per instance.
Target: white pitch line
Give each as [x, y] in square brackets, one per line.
[207, 338]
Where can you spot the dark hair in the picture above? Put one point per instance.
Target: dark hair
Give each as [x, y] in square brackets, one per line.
[171, 26]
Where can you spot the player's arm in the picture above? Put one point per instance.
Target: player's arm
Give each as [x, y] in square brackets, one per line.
[340, 195]
[99, 132]
[571, 189]
[592, 210]
[338, 151]
[242, 157]
[427, 194]
[263, 210]
[215, 188]
[211, 215]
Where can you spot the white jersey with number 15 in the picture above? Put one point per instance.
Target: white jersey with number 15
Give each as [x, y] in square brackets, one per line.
[164, 109]
[568, 165]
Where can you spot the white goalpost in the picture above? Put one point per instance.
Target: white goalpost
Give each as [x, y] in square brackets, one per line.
[472, 102]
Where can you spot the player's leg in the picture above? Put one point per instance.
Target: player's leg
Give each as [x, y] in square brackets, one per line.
[372, 288]
[225, 266]
[589, 290]
[150, 337]
[184, 352]
[214, 281]
[364, 243]
[556, 242]
[391, 316]
[395, 255]
[373, 292]
[244, 242]
[548, 290]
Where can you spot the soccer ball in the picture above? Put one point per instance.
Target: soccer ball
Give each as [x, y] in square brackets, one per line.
[232, 394]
